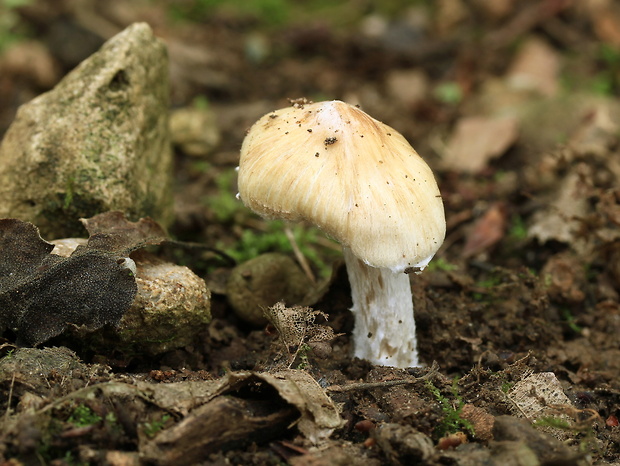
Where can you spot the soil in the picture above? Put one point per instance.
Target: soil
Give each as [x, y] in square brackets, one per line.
[517, 317]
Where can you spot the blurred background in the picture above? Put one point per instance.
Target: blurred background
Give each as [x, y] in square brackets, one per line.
[483, 89]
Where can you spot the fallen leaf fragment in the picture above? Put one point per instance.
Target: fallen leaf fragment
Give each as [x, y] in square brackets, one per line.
[477, 140]
[560, 220]
[222, 422]
[481, 421]
[319, 414]
[535, 68]
[41, 293]
[487, 231]
[539, 397]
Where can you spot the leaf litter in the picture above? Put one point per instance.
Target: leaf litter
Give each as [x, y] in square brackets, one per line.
[42, 294]
[515, 304]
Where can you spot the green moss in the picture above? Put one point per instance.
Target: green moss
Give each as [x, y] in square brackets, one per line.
[518, 228]
[271, 14]
[11, 28]
[154, 427]
[224, 204]
[441, 264]
[253, 243]
[83, 416]
[452, 421]
[570, 320]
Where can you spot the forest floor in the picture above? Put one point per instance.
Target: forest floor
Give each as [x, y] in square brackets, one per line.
[514, 105]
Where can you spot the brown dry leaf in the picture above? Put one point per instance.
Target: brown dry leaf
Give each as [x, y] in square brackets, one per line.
[296, 326]
[564, 277]
[560, 220]
[539, 396]
[42, 294]
[319, 414]
[535, 68]
[495, 10]
[605, 16]
[598, 130]
[477, 140]
[30, 60]
[487, 231]
[480, 419]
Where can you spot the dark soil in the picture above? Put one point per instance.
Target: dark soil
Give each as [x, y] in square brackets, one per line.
[527, 282]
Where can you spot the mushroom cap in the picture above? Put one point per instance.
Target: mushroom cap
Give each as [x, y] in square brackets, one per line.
[354, 177]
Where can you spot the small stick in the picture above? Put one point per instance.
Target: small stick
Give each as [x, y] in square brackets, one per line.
[386, 384]
[7, 413]
[298, 254]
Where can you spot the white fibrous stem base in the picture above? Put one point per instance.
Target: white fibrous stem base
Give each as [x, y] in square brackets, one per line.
[384, 332]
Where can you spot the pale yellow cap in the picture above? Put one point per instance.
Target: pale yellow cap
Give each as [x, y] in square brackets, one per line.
[357, 179]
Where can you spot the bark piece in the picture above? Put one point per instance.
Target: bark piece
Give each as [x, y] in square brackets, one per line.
[223, 423]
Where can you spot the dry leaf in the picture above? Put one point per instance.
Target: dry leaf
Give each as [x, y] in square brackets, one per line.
[41, 294]
[295, 326]
[540, 396]
[487, 231]
[535, 68]
[477, 140]
[560, 220]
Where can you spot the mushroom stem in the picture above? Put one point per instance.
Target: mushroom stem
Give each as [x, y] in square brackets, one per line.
[384, 332]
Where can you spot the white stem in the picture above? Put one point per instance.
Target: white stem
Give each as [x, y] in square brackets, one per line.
[384, 332]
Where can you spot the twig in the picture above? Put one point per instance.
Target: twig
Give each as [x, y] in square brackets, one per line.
[7, 413]
[386, 384]
[527, 19]
[299, 255]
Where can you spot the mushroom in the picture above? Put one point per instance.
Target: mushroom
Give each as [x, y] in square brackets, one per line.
[361, 182]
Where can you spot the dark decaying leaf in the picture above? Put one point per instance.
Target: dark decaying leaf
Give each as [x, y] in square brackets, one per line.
[111, 231]
[41, 294]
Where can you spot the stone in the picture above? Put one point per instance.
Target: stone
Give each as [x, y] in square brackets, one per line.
[172, 306]
[262, 282]
[403, 444]
[194, 130]
[98, 141]
[547, 449]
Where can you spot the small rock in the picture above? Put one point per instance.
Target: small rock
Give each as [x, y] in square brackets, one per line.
[98, 141]
[403, 444]
[511, 453]
[262, 282]
[32, 366]
[194, 130]
[547, 449]
[171, 307]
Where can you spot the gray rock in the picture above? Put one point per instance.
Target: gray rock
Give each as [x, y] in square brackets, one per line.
[98, 141]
